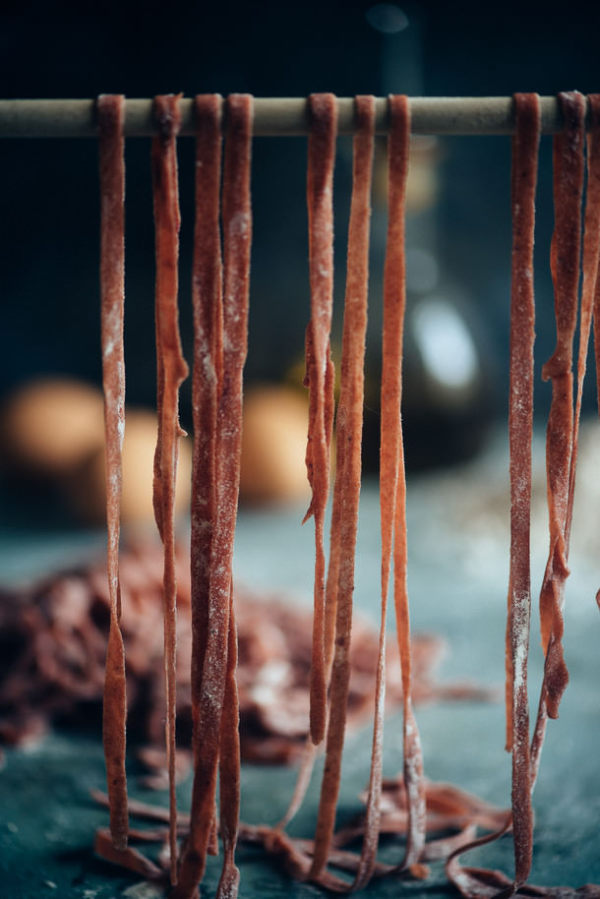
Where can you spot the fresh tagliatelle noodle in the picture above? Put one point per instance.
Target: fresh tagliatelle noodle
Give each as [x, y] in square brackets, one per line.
[438, 821]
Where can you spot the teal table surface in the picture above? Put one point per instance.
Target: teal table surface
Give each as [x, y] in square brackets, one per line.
[458, 564]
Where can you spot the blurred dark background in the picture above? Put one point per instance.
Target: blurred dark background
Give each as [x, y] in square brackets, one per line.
[459, 228]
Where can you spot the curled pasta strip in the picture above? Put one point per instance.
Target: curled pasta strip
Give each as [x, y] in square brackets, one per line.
[565, 252]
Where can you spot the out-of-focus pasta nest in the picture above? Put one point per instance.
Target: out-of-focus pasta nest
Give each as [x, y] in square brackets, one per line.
[53, 645]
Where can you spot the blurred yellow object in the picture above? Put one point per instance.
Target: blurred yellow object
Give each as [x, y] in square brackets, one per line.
[274, 446]
[87, 485]
[50, 425]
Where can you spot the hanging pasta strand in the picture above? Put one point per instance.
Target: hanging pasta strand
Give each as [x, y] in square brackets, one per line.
[566, 245]
[172, 370]
[207, 302]
[590, 294]
[363, 161]
[321, 161]
[525, 145]
[229, 769]
[562, 423]
[217, 679]
[237, 228]
[319, 371]
[393, 509]
[348, 473]
[523, 186]
[111, 114]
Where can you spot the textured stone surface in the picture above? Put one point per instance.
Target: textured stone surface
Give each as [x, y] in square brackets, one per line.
[47, 820]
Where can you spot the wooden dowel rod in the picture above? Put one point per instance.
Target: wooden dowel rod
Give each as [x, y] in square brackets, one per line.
[274, 117]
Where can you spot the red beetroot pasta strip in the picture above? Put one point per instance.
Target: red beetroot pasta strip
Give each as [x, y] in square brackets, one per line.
[568, 188]
[481, 883]
[524, 177]
[327, 625]
[590, 295]
[349, 436]
[237, 228]
[229, 769]
[319, 371]
[305, 770]
[207, 302]
[127, 858]
[566, 245]
[237, 225]
[333, 568]
[523, 181]
[172, 370]
[111, 114]
[392, 460]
